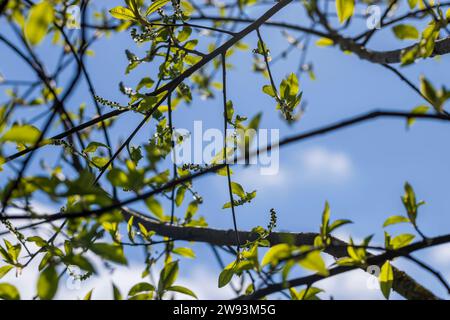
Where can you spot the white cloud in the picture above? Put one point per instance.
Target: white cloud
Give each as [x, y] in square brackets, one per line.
[319, 163]
[201, 280]
[253, 178]
[355, 285]
[439, 258]
[440, 255]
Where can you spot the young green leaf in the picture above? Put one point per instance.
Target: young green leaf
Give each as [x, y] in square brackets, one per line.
[324, 42]
[110, 252]
[344, 9]
[325, 220]
[314, 261]
[47, 284]
[237, 189]
[167, 276]
[394, 220]
[140, 287]
[275, 253]
[227, 274]
[22, 134]
[9, 292]
[405, 32]
[155, 207]
[155, 6]
[184, 252]
[268, 89]
[116, 293]
[122, 13]
[386, 279]
[4, 270]
[337, 224]
[402, 240]
[182, 290]
[39, 19]
[88, 295]
[179, 197]
[93, 146]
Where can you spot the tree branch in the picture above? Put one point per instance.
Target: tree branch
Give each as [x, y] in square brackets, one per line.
[411, 289]
[403, 284]
[296, 138]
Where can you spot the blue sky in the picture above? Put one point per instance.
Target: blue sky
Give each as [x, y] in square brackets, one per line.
[360, 171]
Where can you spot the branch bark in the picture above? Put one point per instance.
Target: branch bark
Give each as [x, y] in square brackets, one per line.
[372, 260]
[403, 284]
[442, 46]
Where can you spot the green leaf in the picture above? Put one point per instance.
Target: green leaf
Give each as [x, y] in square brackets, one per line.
[47, 284]
[344, 9]
[155, 207]
[405, 31]
[88, 295]
[268, 89]
[306, 294]
[93, 146]
[237, 189]
[184, 252]
[422, 109]
[155, 6]
[80, 261]
[409, 201]
[167, 276]
[184, 34]
[386, 279]
[116, 293]
[324, 42]
[427, 89]
[338, 223]
[100, 162]
[142, 296]
[38, 241]
[39, 19]
[117, 177]
[325, 219]
[141, 287]
[13, 250]
[130, 230]
[9, 292]
[226, 275]
[412, 3]
[22, 134]
[182, 290]
[110, 252]
[136, 154]
[275, 253]
[145, 82]
[394, 220]
[122, 13]
[4, 270]
[192, 209]
[402, 240]
[314, 261]
[179, 197]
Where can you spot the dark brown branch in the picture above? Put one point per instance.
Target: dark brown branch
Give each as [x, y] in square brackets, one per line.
[415, 292]
[338, 249]
[442, 46]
